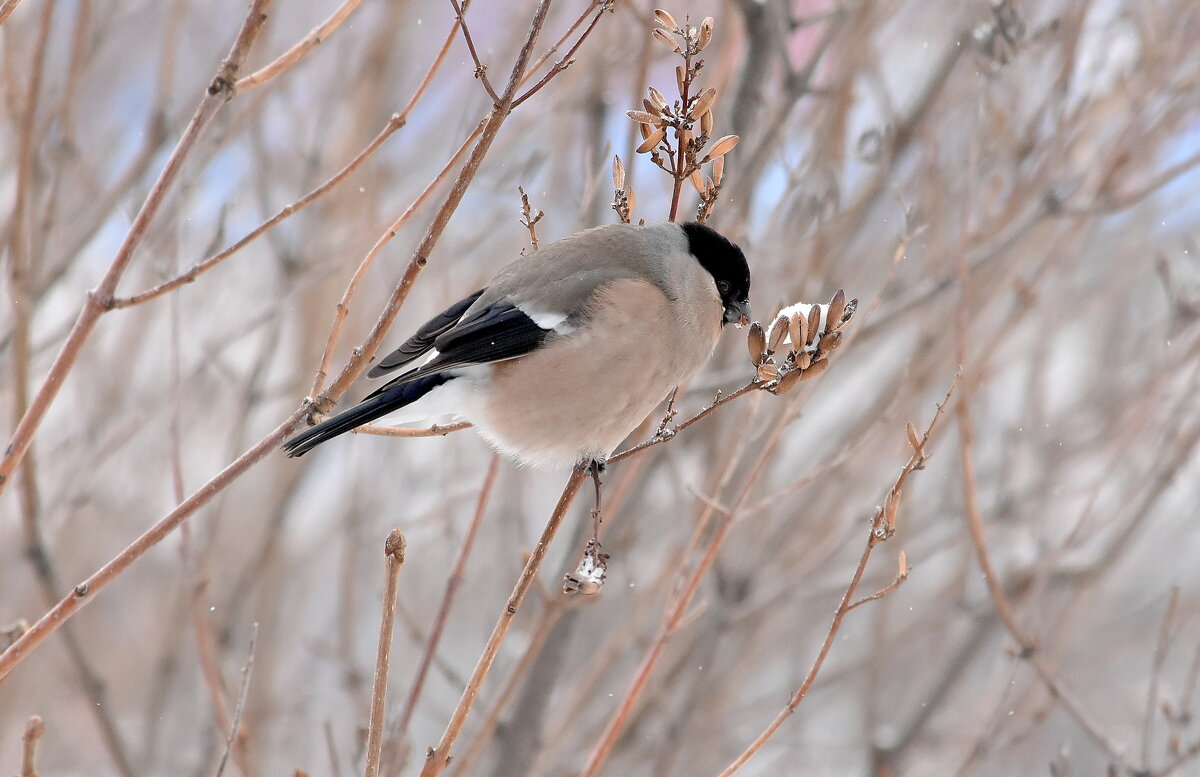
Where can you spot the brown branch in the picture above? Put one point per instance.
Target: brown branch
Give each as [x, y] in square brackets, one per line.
[84, 592]
[343, 307]
[437, 430]
[1003, 608]
[568, 59]
[363, 354]
[395, 123]
[394, 553]
[1160, 656]
[452, 585]
[240, 707]
[480, 68]
[881, 527]
[439, 757]
[97, 301]
[666, 433]
[34, 729]
[6, 9]
[297, 52]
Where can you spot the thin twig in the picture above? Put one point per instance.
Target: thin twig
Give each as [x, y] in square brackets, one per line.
[297, 52]
[669, 433]
[566, 61]
[1160, 656]
[879, 531]
[437, 430]
[34, 729]
[528, 219]
[438, 757]
[480, 68]
[395, 123]
[97, 302]
[394, 553]
[236, 723]
[84, 592]
[363, 354]
[453, 583]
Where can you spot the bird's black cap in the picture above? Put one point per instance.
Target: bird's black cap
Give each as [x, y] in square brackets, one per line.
[727, 265]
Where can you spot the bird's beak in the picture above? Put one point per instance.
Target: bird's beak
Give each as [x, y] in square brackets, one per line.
[738, 314]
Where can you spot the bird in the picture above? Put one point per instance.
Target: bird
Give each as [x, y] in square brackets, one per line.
[568, 348]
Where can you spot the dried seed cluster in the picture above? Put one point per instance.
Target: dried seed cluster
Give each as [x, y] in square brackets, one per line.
[589, 576]
[675, 133]
[809, 333]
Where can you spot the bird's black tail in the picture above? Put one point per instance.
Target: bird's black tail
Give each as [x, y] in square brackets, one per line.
[390, 398]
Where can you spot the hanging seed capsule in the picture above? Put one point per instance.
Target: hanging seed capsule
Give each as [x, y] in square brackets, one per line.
[767, 372]
[847, 314]
[697, 181]
[718, 167]
[706, 33]
[618, 170]
[837, 306]
[642, 117]
[779, 328]
[658, 99]
[630, 201]
[803, 360]
[815, 369]
[665, 19]
[913, 438]
[706, 124]
[789, 382]
[703, 103]
[645, 129]
[756, 343]
[665, 39]
[679, 77]
[652, 141]
[814, 324]
[723, 146]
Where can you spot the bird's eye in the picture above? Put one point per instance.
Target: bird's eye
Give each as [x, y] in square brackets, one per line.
[723, 287]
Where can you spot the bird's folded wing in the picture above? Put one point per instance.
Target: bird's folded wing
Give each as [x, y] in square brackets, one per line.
[495, 333]
[422, 341]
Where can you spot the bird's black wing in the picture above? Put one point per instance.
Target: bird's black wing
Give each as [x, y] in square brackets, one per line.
[495, 333]
[422, 341]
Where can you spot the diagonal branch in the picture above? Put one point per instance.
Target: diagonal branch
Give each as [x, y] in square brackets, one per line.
[217, 95]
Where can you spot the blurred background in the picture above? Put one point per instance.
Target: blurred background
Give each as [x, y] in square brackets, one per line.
[1010, 188]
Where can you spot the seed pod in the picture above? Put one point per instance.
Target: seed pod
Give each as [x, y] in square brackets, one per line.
[891, 506]
[652, 141]
[718, 167]
[706, 33]
[697, 181]
[641, 117]
[814, 324]
[767, 372]
[837, 306]
[779, 328]
[679, 77]
[650, 107]
[723, 146]
[756, 343]
[658, 99]
[645, 129]
[630, 201]
[815, 369]
[789, 381]
[796, 332]
[665, 19]
[847, 314]
[618, 170]
[803, 360]
[829, 341]
[913, 439]
[706, 124]
[704, 102]
[665, 39]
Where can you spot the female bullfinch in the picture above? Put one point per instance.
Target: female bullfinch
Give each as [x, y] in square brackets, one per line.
[569, 348]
